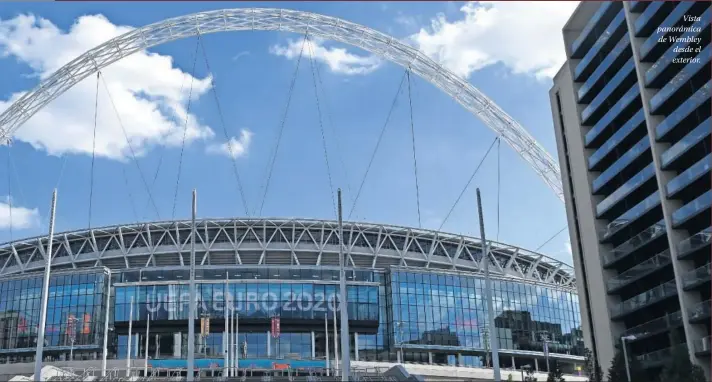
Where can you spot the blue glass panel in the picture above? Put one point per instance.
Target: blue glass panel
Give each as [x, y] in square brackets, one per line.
[672, 120]
[702, 131]
[690, 209]
[688, 176]
[630, 96]
[621, 163]
[673, 51]
[607, 90]
[589, 26]
[672, 19]
[690, 70]
[631, 185]
[622, 45]
[644, 18]
[616, 138]
[615, 24]
[634, 213]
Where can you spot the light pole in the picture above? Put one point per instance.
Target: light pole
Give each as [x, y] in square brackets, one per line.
[71, 328]
[625, 354]
[399, 324]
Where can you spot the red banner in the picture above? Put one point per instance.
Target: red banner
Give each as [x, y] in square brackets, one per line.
[275, 327]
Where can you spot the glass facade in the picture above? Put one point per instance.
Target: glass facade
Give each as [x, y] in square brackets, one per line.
[449, 311]
[76, 312]
[394, 314]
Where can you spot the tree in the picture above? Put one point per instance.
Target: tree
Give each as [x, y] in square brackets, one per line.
[555, 374]
[680, 368]
[510, 378]
[591, 367]
[617, 372]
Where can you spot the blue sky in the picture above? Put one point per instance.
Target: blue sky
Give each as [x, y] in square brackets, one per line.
[500, 48]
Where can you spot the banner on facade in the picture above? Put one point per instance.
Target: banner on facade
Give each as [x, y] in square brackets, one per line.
[205, 326]
[275, 327]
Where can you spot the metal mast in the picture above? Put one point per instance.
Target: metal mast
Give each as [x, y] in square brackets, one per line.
[45, 292]
[191, 309]
[494, 341]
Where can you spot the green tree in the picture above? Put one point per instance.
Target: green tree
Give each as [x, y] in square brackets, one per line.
[510, 378]
[555, 374]
[591, 367]
[680, 368]
[617, 372]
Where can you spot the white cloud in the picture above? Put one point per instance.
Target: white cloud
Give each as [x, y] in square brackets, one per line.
[524, 36]
[237, 147]
[150, 94]
[338, 60]
[405, 20]
[21, 217]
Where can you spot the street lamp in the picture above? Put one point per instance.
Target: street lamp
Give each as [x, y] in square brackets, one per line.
[625, 354]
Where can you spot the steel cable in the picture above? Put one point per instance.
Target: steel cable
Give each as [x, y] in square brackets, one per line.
[415, 160]
[93, 149]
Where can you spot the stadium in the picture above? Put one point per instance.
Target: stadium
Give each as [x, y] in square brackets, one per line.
[414, 296]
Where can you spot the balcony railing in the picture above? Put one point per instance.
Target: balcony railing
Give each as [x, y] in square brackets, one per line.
[674, 50]
[694, 172]
[633, 123]
[702, 345]
[683, 111]
[588, 28]
[626, 159]
[626, 189]
[681, 79]
[700, 312]
[696, 276]
[646, 298]
[694, 242]
[635, 242]
[657, 325]
[697, 135]
[659, 357]
[692, 208]
[613, 28]
[631, 95]
[645, 205]
[597, 75]
[605, 94]
[658, 261]
[672, 19]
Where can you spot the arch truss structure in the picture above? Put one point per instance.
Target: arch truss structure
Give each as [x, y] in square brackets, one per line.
[326, 27]
[233, 242]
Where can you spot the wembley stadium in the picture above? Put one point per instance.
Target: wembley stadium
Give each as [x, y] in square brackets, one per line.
[414, 296]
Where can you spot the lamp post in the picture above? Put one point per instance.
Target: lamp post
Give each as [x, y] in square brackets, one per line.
[625, 354]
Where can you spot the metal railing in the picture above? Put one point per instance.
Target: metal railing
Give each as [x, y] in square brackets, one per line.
[654, 326]
[646, 298]
[696, 276]
[700, 311]
[660, 260]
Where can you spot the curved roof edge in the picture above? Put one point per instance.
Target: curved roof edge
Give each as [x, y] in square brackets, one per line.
[367, 245]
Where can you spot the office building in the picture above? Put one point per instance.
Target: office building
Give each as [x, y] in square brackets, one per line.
[631, 110]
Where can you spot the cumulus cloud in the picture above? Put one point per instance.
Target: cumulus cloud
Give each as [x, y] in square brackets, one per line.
[238, 146]
[149, 92]
[524, 36]
[17, 217]
[339, 60]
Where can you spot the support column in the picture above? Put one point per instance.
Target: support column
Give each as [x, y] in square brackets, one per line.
[313, 345]
[430, 358]
[680, 267]
[355, 346]
[399, 356]
[459, 359]
[177, 344]
[536, 364]
[269, 344]
[514, 364]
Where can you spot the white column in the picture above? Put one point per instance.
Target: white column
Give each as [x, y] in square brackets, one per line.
[269, 344]
[355, 346]
[430, 358]
[177, 344]
[191, 309]
[494, 339]
[129, 350]
[105, 349]
[45, 292]
[313, 345]
[536, 364]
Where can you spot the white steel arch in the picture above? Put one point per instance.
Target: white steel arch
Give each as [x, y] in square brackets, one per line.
[270, 19]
